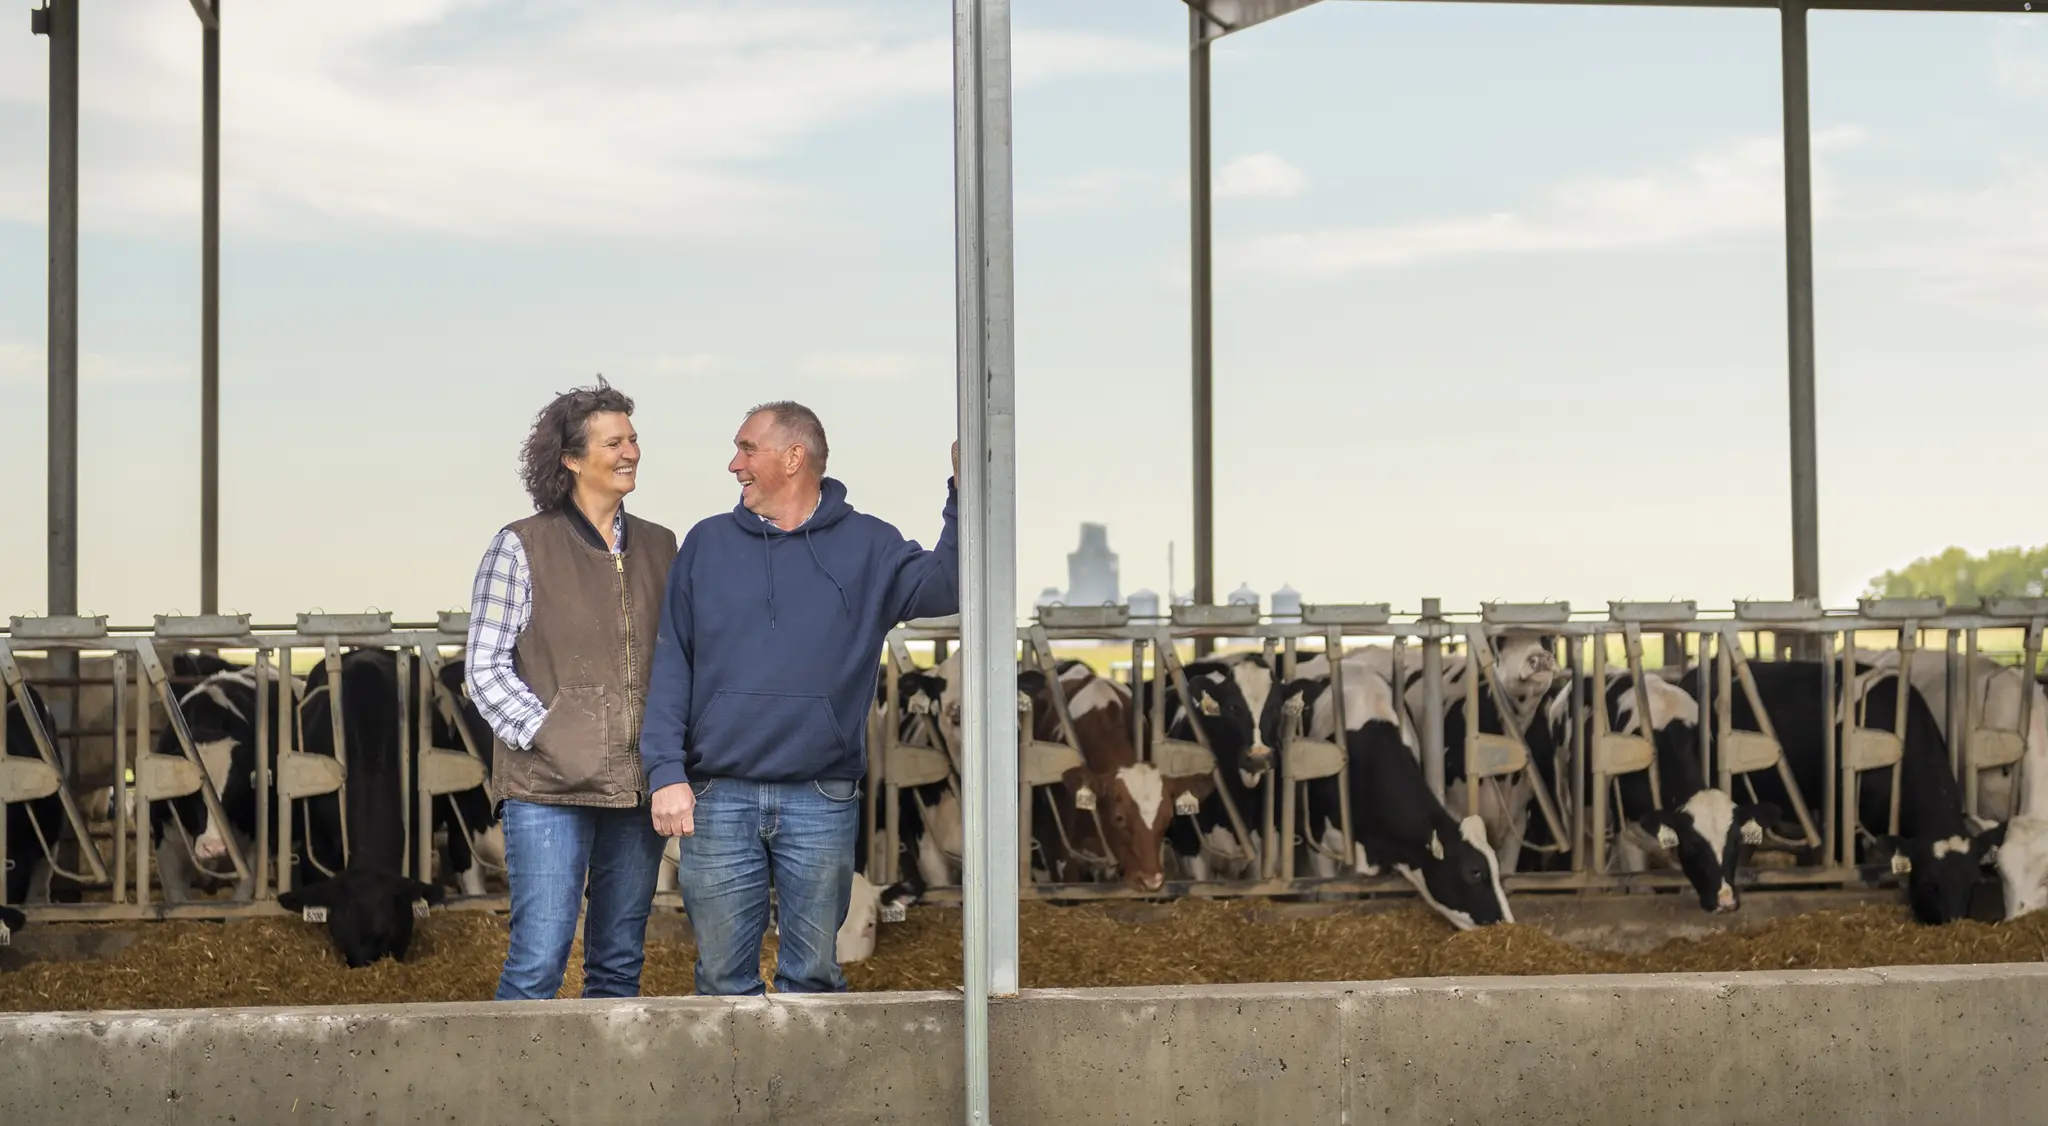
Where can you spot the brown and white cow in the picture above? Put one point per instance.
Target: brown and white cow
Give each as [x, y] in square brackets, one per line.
[1112, 809]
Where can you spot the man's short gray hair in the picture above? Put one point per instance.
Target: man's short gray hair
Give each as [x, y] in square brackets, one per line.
[800, 425]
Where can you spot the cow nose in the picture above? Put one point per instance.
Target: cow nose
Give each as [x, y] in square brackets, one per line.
[1259, 753]
[1152, 882]
[210, 847]
[1726, 901]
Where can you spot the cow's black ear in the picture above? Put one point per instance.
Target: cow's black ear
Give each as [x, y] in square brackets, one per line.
[1987, 840]
[321, 894]
[1659, 824]
[1891, 852]
[434, 894]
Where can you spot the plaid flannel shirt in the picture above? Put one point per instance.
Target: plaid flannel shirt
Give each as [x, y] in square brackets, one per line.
[500, 605]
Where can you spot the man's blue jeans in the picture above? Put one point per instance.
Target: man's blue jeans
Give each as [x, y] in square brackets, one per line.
[552, 854]
[800, 834]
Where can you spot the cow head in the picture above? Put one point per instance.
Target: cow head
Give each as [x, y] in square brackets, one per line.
[1459, 877]
[1940, 872]
[1134, 805]
[1527, 663]
[2023, 865]
[1230, 702]
[855, 941]
[369, 912]
[219, 714]
[1706, 835]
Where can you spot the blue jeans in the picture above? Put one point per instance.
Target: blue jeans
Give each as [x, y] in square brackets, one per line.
[555, 857]
[800, 834]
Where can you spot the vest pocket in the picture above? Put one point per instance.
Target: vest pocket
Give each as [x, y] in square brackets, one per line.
[570, 748]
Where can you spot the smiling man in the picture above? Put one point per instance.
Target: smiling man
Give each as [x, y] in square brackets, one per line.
[756, 728]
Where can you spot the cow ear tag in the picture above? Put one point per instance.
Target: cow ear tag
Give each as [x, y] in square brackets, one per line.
[1210, 707]
[420, 910]
[1436, 847]
[1084, 798]
[314, 914]
[1186, 804]
[1667, 836]
[893, 912]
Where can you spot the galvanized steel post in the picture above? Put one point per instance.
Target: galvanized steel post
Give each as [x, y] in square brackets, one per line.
[59, 21]
[1799, 306]
[209, 321]
[987, 491]
[1203, 297]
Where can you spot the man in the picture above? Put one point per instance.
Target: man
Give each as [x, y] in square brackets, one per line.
[561, 632]
[764, 672]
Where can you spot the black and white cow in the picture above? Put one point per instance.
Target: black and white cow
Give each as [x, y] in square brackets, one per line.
[1937, 849]
[29, 823]
[369, 903]
[1396, 822]
[1231, 694]
[220, 714]
[1700, 827]
[10, 920]
[1996, 692]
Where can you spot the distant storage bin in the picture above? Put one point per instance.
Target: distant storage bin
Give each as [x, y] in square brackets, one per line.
[1144, 604]
[1244, 595]
[1287, 604]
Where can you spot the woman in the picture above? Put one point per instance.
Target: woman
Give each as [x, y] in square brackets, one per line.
[561, 635]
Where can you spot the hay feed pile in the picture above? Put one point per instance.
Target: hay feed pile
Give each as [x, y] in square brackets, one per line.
[457, 954]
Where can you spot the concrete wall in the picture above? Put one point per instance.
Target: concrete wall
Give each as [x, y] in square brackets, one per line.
[1926, 1046]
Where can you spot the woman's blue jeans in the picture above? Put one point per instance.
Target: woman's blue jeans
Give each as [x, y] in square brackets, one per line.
[556, 857]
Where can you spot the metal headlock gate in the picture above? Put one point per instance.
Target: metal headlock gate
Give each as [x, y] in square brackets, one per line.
[123, 888]
[1456, 659]
[1592, 756]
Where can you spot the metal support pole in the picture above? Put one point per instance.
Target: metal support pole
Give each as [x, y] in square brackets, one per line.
[209, 325]
[1433, 712]
[1203, 305]
[1799, 312]
[987, 492]
[60, 23]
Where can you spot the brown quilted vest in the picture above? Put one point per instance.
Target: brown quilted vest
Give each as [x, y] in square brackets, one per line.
[585, 653]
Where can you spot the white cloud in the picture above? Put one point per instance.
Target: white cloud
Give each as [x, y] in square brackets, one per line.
[1732, 190]
[859, 366]
[1095, 190]
[25, 365]
[493, 119]
[1984, 249]
[1261, 175]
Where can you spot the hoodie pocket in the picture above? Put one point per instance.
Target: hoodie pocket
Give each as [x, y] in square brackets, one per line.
[569, 749]
[766, 734]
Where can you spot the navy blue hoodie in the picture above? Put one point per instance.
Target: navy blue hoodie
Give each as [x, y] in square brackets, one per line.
[771, 641]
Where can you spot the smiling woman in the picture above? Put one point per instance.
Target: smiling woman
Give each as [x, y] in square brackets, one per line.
[561, 638]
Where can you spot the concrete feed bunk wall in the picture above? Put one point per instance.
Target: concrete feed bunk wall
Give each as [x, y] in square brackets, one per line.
[1926, 1045]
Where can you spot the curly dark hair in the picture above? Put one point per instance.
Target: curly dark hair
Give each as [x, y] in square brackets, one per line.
[562, 429]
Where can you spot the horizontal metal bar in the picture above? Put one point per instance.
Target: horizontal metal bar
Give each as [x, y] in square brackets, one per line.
[1987, 6]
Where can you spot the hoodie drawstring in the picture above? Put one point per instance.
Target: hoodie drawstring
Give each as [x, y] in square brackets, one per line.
[769, 557]
[821, 566]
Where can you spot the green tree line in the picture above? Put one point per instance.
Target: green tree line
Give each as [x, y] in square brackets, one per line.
[1964, 579]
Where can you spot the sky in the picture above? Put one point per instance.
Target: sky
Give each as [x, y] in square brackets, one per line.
[1499, 289]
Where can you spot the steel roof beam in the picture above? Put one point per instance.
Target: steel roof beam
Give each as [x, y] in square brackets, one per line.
[1227, 16]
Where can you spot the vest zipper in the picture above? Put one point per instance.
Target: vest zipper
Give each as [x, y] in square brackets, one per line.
[626, 619]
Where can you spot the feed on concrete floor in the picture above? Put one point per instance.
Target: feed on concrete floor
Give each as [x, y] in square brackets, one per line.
[457, 954]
